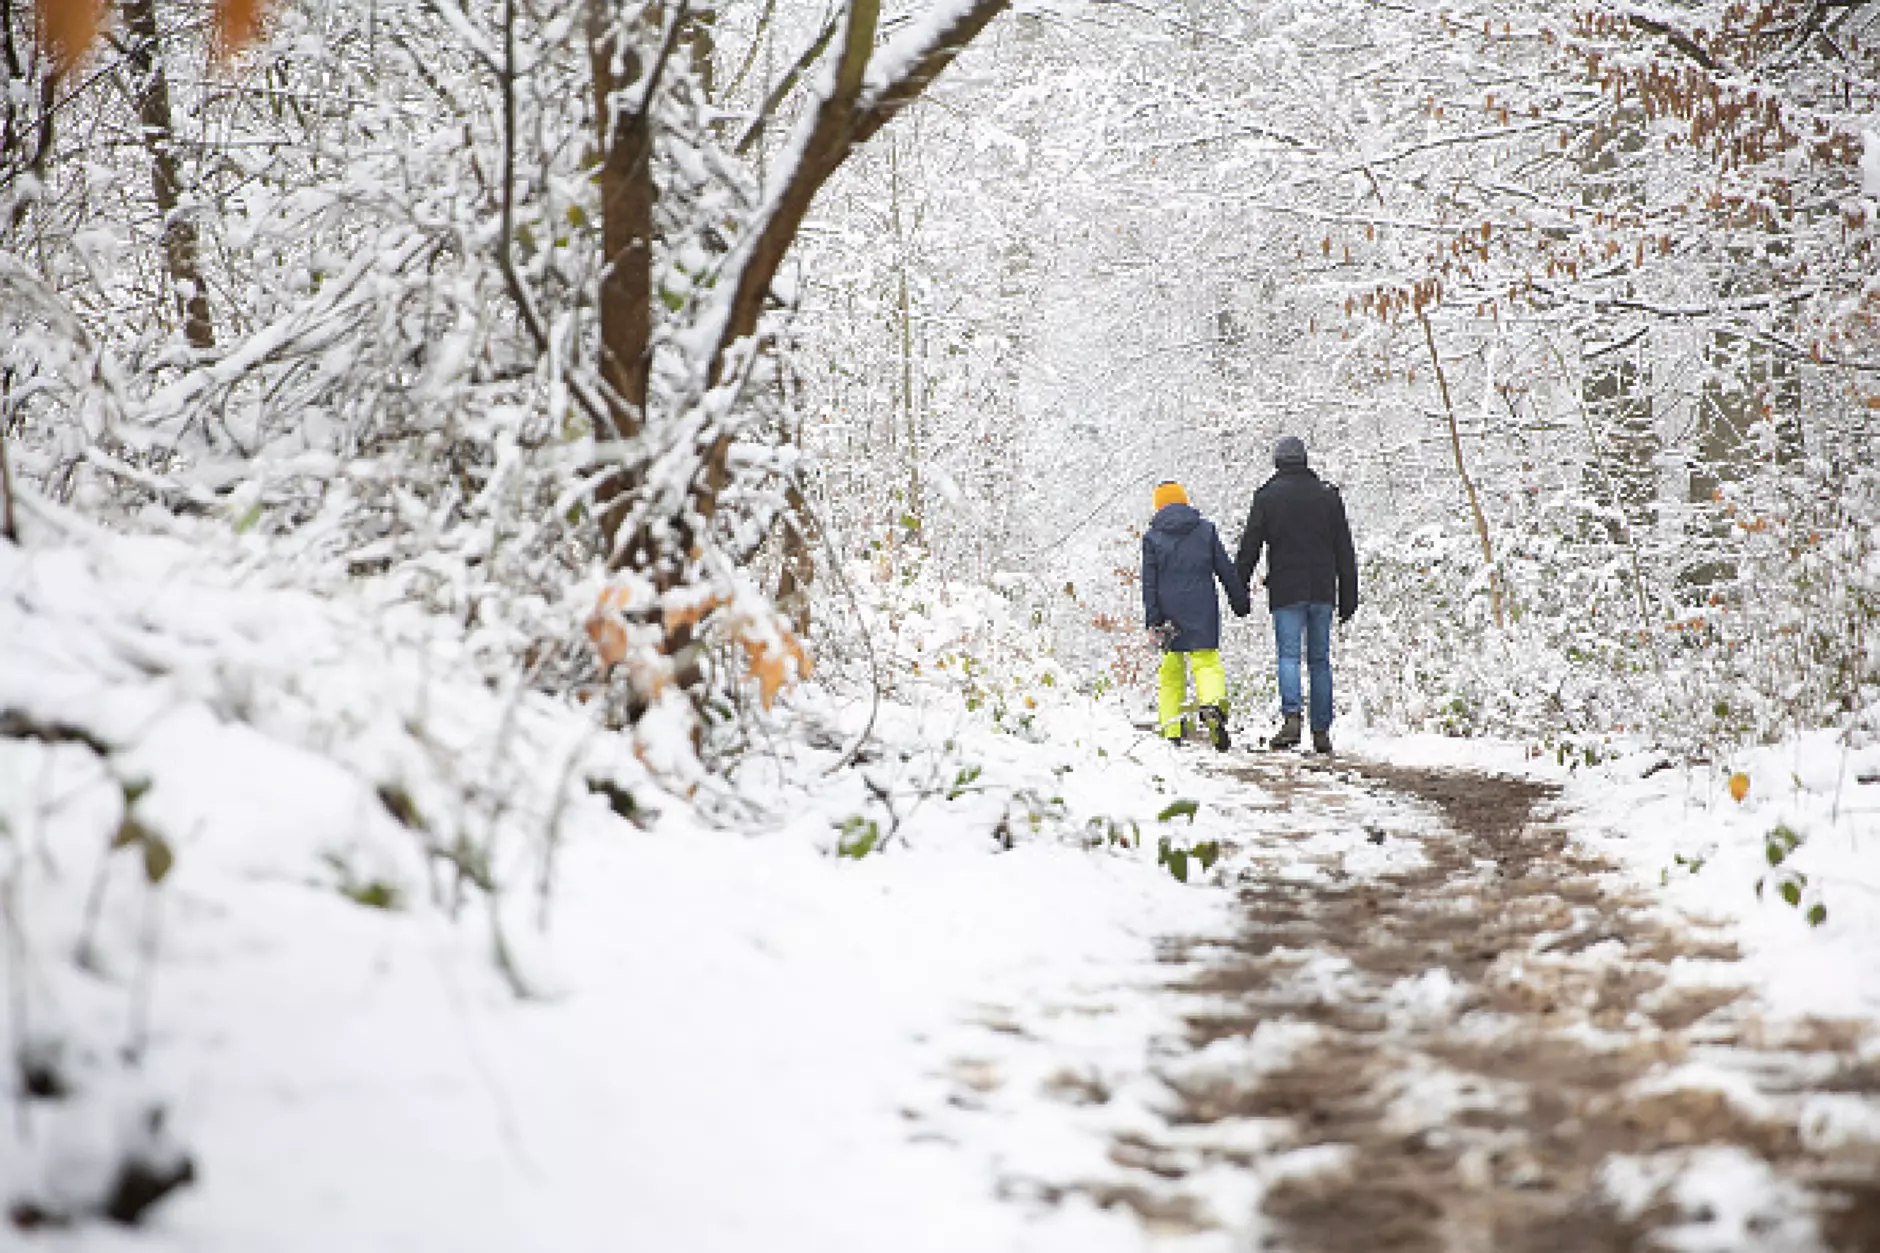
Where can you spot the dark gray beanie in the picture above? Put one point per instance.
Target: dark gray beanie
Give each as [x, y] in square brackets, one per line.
[1290, 451]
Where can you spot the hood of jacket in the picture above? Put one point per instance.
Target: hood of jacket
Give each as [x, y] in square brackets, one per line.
[1176, 519]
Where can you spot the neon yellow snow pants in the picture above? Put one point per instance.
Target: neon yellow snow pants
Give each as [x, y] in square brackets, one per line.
[1172, 686]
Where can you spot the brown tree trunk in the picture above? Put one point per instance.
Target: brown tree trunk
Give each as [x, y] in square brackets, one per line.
[181, 243]
[625, 142]
[844, 121]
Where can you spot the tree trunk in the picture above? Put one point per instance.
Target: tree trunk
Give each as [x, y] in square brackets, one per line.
[799, 564]
[1747, 384]
[1462, 472]
[911, 519]
[624, 141]
[1617, 399]
[181, 243]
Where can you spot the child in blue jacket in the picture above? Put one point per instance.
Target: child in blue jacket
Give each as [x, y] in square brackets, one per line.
[1182, 556]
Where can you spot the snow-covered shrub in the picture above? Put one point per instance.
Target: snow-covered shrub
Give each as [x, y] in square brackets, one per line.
[1780, 635]
[991, 647]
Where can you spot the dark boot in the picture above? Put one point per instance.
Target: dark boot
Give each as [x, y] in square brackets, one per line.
[1288, 736]
[1214, 718]
[1321, 741]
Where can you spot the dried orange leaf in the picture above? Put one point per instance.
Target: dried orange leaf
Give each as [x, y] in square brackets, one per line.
[1739, 787]
[769, 661]
[237, 25]
[609, 639]
[68, 28]
[676, 616]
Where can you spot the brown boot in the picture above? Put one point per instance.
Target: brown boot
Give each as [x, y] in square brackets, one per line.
[1288, 736]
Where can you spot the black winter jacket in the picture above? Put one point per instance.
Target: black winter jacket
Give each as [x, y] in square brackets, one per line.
[1181, 557]
[1300, 520]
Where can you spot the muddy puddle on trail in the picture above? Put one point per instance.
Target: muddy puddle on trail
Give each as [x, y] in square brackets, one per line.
[1488, 1042]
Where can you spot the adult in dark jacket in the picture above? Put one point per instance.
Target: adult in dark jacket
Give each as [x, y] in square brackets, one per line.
[1311, 572]
[1182, 557]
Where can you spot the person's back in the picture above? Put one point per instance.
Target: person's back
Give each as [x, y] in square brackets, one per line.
[1308, 540]
[1180, 544]
[1182, 557]
[1312, 572]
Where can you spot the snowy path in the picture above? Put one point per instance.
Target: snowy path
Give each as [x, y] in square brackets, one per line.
[1464, 1034]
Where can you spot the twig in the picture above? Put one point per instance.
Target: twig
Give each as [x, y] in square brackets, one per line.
[659, 64]
[9, 525]
[868, 638]
[551, 839]
[143, 991]
[16, 983]
[786, 85]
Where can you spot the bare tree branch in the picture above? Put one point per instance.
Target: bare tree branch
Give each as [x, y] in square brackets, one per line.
[845, 120]
[785, 86]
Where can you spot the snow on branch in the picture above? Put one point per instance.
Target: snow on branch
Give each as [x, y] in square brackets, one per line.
[865, 93]
[904, 68]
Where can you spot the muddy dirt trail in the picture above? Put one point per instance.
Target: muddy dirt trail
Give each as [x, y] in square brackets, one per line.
[1493, 1044]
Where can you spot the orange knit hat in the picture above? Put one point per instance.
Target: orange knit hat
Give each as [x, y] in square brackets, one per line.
[1169, 493]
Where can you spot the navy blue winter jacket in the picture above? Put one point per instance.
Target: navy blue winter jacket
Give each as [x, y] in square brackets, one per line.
[1181, 557]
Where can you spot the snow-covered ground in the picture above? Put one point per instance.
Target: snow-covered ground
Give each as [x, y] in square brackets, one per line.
[368, 931]
[1680, 830]
[696, 1037]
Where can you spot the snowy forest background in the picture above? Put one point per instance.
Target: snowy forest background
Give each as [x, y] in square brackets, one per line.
[443, 443]
[1575, 304]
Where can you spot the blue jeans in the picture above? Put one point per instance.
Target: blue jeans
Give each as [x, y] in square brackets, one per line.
[1313, 620]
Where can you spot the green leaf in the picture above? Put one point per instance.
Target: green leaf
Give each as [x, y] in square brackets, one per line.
[1780, 842]
[1178, 809]
[247, 520]
[1178, 865]
[1207, 853]
[1792, 892]
[967, 776]
[1817, 914]
[373, 894]
[398, 804]
[858, 838]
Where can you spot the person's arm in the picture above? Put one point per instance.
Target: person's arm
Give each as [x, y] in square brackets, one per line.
[1231, 582]
[1151, 602]
[1251, 541]
[1347, 560]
